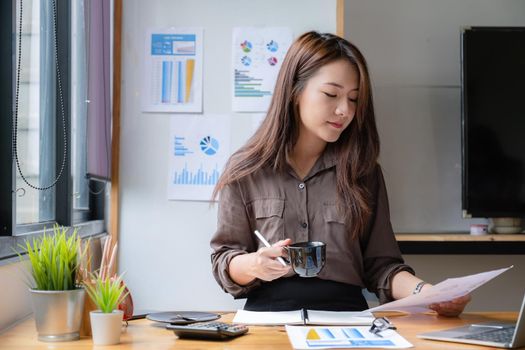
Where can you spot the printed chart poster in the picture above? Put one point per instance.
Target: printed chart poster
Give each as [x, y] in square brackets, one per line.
[199, 149]
[257, 56]
[173, 81]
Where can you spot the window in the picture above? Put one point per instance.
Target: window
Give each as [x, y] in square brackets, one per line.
[52, 117]
[37, 114]
[79, 106]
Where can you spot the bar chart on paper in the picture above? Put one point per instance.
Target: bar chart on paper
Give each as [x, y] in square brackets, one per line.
[343, 337]
[176, 81]
[202, 174]
[173, 71]
[198, 154]
[247, 86]
[199, 177]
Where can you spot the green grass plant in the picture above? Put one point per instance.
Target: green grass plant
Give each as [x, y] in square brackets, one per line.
[106, 293]
[54, 259]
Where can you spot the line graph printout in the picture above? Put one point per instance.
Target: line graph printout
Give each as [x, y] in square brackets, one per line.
[199, 148]
[173, 71]
[257, 55]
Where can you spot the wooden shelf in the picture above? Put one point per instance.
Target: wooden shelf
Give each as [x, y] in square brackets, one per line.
[460, 243]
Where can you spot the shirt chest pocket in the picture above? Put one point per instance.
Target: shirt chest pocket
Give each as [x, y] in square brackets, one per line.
[268, 213]
[334, 221]
[335, 231]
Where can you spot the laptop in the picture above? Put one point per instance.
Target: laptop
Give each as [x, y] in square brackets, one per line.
[501, 335]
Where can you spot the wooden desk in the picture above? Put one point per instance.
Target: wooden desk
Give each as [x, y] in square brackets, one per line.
[143, 334]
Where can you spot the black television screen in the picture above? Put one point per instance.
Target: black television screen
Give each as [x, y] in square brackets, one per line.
[493, 121]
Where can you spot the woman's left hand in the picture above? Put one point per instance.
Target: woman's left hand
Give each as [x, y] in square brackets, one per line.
[451, 308]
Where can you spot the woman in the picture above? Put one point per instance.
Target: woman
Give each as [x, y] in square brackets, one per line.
[310, 173]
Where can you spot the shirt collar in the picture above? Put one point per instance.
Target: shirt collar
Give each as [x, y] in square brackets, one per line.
[327, 160]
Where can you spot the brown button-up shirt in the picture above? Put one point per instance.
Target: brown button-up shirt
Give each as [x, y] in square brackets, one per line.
[281, 205]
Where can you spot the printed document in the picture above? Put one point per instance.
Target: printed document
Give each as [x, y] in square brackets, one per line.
[173, 70]
[449, 289]
[257, 54]
[198, 149]
[343, 337]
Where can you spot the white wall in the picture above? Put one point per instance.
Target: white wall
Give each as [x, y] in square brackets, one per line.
[14, 294]
[165, 244]
[413, 51]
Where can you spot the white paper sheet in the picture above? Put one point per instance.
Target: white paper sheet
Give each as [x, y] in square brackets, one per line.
[257, 55]
[173, 70]
[444, 291]
[339, 318]
[268, 317]
[296, 317]
[343, 337]
[199, 149]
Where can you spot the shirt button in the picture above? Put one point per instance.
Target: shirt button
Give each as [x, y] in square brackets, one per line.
[301, 186]
[304, 225]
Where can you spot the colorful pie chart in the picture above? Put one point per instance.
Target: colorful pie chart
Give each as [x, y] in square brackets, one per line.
[209, 145]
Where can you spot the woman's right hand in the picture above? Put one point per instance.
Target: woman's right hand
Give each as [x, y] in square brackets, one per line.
[245, 268]
[264, 264]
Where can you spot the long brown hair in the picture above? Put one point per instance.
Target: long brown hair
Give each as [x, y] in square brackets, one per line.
[357, 148]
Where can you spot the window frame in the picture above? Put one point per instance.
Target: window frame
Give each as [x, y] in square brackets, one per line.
[7, 24]
[89, 223]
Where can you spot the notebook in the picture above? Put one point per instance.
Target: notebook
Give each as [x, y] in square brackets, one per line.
[501, 335]
[303, 317]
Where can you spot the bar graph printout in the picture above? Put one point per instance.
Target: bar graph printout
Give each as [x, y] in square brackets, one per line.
[257, 55]
[343, 337]
[199, 148]
[173, 71]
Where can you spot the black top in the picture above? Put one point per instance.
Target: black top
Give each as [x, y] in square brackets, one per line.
[294, 293]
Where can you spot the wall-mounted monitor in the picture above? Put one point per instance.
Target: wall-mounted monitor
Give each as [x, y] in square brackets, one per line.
[493, 121]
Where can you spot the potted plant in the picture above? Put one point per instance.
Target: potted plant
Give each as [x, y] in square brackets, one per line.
[57, 295]
[106, 322]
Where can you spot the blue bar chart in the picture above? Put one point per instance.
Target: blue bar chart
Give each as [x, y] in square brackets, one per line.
[167, 72]
[246, 86]
[198, 177]
[173, 71]
[342, 337]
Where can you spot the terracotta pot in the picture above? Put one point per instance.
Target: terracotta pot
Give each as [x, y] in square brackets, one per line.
[127, 305]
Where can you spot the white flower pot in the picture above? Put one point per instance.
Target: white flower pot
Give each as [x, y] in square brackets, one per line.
[106, 327]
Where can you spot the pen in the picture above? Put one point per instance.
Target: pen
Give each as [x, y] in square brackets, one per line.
[266, 244]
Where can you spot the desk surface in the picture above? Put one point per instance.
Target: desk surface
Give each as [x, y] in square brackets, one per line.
[143, 334]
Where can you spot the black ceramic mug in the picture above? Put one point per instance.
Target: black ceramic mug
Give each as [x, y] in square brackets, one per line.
[307, 258]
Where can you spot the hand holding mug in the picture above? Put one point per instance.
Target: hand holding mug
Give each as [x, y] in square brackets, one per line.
[264, 264]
